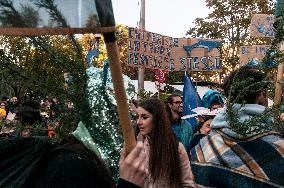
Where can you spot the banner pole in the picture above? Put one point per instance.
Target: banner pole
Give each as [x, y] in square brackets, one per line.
[196, 96]
[120, 94]
[278, 85]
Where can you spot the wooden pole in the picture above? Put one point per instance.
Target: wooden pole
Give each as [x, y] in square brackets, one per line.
[141, 70]
[196, 94]
[120, 95]
[278, 85]
[159, 86]
[53, 31]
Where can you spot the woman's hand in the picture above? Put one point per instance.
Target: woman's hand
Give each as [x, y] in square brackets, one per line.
[132, 166]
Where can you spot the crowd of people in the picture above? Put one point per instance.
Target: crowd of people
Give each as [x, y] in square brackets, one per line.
[221, 152]
[29, 113]
[171, 151]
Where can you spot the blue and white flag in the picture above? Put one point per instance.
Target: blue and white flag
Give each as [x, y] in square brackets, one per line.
[191, 99]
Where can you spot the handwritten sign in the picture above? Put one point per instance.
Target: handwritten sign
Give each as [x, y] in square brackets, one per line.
[262, 26]
[155, 51]
[247, 53]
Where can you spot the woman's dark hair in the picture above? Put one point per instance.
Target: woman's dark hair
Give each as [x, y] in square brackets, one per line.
[101, 172]
[244, 85]
[164, 159]
[135, 102]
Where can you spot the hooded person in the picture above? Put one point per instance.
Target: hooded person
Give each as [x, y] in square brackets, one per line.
[241, 148]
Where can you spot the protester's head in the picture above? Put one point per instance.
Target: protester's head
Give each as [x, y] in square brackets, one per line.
[204, 123]
[174, 105]
[15, 100]
[3, 104]
[213, 99]
[153, 121]
[152, 117]
[246, 86]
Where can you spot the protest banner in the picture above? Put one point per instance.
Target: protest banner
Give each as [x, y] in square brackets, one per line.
[155, 51]
[262, 26]
[247, 53]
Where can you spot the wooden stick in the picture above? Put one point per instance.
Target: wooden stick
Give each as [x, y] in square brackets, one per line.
[120, 95]
[53, 31]
[278, 85]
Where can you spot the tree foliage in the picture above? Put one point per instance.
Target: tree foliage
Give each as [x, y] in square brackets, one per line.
[230, 21]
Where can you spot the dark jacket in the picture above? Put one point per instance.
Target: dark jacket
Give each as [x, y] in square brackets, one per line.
[195, 140]
[35, 162]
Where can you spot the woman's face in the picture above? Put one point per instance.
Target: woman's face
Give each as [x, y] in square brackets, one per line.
[144, 121]
[2, 105]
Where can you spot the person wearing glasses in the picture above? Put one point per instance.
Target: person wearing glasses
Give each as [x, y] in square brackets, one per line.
[174, 109]
[181, 128]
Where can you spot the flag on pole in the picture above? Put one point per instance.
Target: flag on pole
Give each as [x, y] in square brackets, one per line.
[191, 99]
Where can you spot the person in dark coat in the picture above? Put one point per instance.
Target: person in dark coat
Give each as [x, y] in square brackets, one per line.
[35, 162]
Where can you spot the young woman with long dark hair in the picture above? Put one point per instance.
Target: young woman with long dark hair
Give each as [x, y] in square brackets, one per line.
[168, 163]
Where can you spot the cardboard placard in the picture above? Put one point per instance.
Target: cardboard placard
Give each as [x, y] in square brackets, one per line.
[262, 26]
[247, 53]
[155, 51]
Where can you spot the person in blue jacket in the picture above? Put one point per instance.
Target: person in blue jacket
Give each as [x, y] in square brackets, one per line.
[181, 127]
